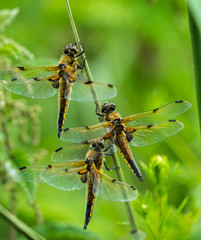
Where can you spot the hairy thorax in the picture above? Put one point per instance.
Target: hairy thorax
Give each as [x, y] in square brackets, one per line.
[112, 116]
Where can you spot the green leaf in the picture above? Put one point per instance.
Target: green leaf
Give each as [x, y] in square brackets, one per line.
[194, 14]
[56, 231]
[7, 16]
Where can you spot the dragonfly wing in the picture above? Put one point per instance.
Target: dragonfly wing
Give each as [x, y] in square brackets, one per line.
[160, 114]
[34, 82]
[153, 133]
[62, 176]
[71, 153]
[81, 134]
[82, 91]
[112, 190]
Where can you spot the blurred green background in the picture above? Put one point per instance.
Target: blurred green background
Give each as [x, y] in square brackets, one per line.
[143, 48]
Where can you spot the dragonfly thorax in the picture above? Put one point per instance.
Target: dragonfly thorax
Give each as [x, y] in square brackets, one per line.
[118, 126]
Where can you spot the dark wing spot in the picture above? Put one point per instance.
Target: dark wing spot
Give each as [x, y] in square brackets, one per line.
[155, 110]
[66, 169]
[14, 79]
[86, 127]
[171, 120]
[58, 149]
[88, 82]
[180, 101]
[36, 79]
[49, 166]
[66, 129]
[149, 126]
[110, 85]
[114, 180]
[133, 187]
[21, 68]
[85, 142]
[22, 168]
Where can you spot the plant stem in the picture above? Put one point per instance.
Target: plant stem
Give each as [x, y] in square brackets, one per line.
[118, 169]
[86, 67]
[12, 231]
[18, 224]
[121, 178]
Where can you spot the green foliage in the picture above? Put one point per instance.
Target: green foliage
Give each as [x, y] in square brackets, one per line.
[143, 48]
[56, 231]
[194, 11]
[159, 219]
[7, 16]
[8, 47]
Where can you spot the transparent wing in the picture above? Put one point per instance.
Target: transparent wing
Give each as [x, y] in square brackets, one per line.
[34, 82]
[71, 153]
[153, 133]
[62, 176]
[160, 114]
[82, 91]
[113, 190]
[81, 134]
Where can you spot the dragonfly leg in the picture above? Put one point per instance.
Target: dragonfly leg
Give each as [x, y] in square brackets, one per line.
[82, 65]
[83, 50]
[110, 147]
[110, 169]
[97, 113]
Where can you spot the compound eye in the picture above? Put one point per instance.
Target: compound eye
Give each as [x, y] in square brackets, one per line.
[65, 51]
[112, 107]
[100, 144]
[93, 145]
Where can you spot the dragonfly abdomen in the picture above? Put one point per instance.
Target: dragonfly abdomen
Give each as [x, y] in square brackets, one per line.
[125, 151]
[65, 92]
[90, 205]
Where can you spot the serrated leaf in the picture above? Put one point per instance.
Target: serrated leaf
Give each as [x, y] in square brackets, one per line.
[8, 47]
[7, 16]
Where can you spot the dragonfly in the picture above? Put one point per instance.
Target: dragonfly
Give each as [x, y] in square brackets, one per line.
[44, 82]
[140, 130]
[77, 166]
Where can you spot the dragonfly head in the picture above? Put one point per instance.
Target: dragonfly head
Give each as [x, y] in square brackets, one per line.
[70, 50]
[98, 145]
[108, 108]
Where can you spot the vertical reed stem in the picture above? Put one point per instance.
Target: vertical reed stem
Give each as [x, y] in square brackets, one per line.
[119, 171]
[18, 224]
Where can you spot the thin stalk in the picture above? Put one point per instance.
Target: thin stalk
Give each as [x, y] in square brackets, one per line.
[119, 171]
[86, 67]
[19, 225]
[12, 231]
[121, 178]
